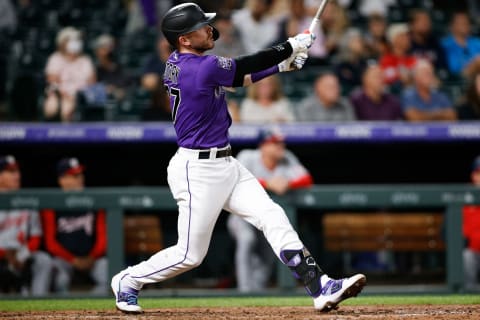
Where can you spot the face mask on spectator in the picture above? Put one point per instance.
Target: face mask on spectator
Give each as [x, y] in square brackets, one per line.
[74, 46]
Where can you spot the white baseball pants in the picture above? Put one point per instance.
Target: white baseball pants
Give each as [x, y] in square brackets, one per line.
[202, 188]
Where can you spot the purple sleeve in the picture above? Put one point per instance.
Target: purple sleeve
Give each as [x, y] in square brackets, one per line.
[216, 71]
[257, 76]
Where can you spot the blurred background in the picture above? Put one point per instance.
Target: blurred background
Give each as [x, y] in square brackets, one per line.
[390, 95]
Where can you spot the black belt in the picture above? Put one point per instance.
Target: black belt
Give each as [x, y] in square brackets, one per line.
[220, 154]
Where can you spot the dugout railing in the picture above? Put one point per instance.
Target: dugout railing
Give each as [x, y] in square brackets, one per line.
[339, 197]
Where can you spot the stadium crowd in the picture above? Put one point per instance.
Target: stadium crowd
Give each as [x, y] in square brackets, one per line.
[373, 60]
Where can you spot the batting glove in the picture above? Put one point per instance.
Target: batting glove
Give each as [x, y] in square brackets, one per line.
[295, 62]
[301, 42]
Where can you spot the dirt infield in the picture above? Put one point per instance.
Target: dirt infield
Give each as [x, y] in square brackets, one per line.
[463, 312]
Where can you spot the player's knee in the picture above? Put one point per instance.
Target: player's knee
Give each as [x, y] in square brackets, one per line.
[42, 260]
[193, 261]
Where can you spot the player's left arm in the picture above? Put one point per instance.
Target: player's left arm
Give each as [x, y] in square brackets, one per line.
[286, 56]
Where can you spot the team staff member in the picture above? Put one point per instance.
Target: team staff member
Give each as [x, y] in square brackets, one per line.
[22, 266]
[277, 170]
[471, 232]
[76, 239]
[203, 176]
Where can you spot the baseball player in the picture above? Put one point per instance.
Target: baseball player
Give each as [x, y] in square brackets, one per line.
[278, 170]
[203, 176]
[76, 239]
[22, 264]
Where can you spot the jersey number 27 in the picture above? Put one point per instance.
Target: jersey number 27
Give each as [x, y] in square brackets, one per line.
[175, 93]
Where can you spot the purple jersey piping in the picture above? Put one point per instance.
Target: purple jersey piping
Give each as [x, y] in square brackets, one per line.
[188, 233]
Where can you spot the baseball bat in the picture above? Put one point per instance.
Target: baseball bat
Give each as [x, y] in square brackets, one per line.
[316, 18]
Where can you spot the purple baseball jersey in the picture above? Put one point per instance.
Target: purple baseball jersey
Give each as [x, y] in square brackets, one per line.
[197, 98]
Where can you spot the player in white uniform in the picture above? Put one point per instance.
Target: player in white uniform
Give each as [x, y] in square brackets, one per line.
[203, 176]
[278, 170]
[20, 237]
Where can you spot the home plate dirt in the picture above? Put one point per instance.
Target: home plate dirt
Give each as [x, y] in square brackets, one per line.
[438, 312]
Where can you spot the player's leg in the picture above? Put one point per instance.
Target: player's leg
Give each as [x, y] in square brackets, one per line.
[200, 188]
[41, 273]
[244, 235]
[471, 267]
[264, 261]
[62, 275]
[250, 201]
[99, 274]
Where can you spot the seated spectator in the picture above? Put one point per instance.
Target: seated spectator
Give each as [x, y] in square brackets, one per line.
[423, 102]
[229, 44]
[373, 103]
[376, 39]
[68, 71]
[152, 72]
[398, 63]
[368, 8]
[352, 60]
[462, 49]
[109, 72]
[471, 233]
[298, 21]
[425, 45]
[23, 268]
[334, 23]
[257, 29]
[265, 103]
[279, 171]
[76, 239]
[326, 104]
[469, 109]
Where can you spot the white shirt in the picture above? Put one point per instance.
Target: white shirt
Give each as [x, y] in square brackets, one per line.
[278, 111]
[255, 35]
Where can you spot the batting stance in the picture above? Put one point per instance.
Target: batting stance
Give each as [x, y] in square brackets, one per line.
[203, 176]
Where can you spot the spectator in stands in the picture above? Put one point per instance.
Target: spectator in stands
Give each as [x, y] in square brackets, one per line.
[297, 21]
[109, 72]
[8, 16]
[8, 24]
[334, 25]
[352, 60]
[68, 71]
[76, 239]
[154, 67]
[257, 29]
[376, 39]
[469, 109]
[265, 103]
[326, 104]
[279, 171]
[423, 102]
[398, 63]
[229, 44]
[425, 45]
[368, 8]
[22, 266]
[462, 49]
[373, 103]
[471, 233]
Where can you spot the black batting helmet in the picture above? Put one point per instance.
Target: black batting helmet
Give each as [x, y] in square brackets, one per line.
[185, 18]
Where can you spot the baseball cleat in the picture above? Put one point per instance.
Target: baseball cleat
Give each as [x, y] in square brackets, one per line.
[335, 291]
[126, 299]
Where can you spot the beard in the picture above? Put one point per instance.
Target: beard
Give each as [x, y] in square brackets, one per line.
[207, 45]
